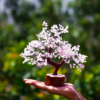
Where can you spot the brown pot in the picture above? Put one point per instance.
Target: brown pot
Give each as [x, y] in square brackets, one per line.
[55, 80]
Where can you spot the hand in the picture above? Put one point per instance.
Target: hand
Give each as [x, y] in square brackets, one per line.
[68, 90]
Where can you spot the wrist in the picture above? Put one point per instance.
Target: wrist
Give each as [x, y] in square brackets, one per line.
[75, 96]
[78, 96]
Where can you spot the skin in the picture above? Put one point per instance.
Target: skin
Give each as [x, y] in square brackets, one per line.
[68, 90]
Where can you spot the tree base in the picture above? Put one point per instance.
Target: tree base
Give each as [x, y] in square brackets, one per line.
[55, 80]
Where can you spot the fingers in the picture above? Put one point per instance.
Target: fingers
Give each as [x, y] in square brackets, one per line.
[41, 85]
[35, 83]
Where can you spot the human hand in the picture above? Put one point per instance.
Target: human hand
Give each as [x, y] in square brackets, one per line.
[68, 90]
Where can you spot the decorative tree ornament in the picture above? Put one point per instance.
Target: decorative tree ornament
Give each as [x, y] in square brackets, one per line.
[50, 45]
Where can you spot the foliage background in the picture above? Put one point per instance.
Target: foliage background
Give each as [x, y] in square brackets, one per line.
[83, 18]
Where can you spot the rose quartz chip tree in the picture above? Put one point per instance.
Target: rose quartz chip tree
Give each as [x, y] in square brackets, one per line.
[50, 45]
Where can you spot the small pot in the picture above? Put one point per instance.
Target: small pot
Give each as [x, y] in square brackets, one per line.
[55, 80]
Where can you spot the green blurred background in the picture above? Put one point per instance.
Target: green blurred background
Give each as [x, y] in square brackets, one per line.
[21, 20]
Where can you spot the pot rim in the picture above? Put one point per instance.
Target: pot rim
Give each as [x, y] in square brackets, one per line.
[58, 75]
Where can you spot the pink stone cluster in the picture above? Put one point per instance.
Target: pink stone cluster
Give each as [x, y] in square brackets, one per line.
[50, 45]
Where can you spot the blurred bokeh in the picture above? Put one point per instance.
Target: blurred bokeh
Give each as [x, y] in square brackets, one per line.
[21, 20]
